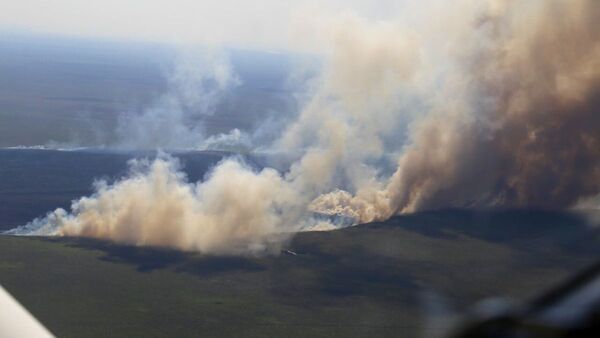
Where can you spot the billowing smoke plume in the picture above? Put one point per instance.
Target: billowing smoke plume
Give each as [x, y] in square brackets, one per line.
[516, 121]
[236, 210]
[495, 105]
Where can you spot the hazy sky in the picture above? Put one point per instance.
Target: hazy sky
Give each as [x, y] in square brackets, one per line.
[263, 24]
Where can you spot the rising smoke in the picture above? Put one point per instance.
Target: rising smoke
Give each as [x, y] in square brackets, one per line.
[515, 123]
[198, 81]
[498, 108]
[235, 210]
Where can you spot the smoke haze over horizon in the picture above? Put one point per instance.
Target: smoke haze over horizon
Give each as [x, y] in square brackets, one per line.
[472, 104]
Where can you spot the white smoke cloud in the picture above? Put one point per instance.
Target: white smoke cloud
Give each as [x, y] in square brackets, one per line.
[485, 120]
[236, 141]
[236, 210]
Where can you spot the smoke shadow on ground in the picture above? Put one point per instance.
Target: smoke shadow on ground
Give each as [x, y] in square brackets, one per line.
[211, 265]
[361, 277]
[455, 251]
[330, 267]
[148, 259]
[525, 229]
[307, 275]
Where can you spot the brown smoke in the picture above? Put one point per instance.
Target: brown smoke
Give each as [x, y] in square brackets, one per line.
[237, 210]
[533, 138]
[517, 124]
[508, 115]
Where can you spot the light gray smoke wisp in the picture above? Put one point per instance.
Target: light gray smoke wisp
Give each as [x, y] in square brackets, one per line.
[199, 80]
[237, 210]
[499, 102]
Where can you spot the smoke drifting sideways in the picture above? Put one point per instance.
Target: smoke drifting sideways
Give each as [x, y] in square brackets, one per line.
[235, 211]
[493, 104]
[201, 77]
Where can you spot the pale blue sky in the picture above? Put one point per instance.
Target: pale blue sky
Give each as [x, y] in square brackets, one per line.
[262, 24]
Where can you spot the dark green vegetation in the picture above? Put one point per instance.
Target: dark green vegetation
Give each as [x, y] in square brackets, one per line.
[367, 280]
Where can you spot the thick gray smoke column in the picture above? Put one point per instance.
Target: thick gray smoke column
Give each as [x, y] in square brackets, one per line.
[343, 126]
[532, 137]
[237, 210]
[503, 100]
[516, 122]
[200, 78]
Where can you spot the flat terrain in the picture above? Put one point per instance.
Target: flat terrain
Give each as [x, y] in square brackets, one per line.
[34, 182]
[70, 90]
[401, 278]
[369, 280]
